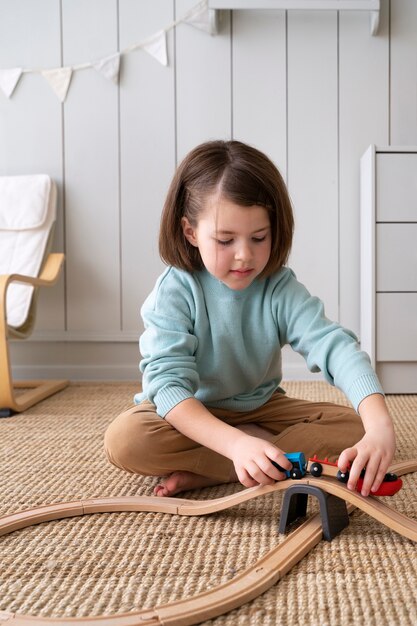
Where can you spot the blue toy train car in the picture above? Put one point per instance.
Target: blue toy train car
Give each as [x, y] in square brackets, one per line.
[299, 465]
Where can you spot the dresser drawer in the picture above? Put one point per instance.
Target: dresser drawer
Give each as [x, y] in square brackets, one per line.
[396, 187]
[396, 326]
[396, 257]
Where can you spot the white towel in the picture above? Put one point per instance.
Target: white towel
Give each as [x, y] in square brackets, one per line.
[27, 212]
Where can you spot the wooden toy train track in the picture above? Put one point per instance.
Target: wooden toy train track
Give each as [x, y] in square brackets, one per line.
[247, 585]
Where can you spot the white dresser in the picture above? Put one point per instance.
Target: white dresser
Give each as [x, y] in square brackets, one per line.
[389, 265]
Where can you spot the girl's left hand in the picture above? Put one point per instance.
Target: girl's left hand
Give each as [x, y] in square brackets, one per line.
[374, 452]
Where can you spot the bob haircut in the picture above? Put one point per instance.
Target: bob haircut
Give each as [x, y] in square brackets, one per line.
[237, 172]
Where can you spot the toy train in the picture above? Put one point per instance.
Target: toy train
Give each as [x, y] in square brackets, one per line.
[316, 467]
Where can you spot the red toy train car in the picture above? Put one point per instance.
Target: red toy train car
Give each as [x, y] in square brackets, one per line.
[316, 467]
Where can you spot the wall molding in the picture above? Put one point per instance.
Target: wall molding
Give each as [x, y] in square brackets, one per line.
[128, 336]
[93, 372]
[108, 371]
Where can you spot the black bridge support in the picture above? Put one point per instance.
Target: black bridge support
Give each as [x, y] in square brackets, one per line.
[333, 510]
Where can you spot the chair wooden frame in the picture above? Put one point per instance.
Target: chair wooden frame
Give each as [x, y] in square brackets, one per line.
[37, 389]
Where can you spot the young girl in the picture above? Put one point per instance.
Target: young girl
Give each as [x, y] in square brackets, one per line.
[212, 410]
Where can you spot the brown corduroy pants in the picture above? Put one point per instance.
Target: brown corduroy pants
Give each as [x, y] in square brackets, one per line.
[140, 442]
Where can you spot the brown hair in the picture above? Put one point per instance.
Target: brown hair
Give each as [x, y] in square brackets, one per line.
[237, 172]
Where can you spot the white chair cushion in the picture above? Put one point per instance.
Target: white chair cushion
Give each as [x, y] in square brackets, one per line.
[27, 213]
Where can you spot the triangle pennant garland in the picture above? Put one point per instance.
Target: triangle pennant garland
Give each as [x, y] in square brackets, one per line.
[59, 79]
[156, 46]
[203, 18]
[109, 67]
[9, 79]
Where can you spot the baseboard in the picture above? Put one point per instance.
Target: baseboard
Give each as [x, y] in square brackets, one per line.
[299, 372]
[96, 371]
[105, 361]
[78, 372]
[75, 360]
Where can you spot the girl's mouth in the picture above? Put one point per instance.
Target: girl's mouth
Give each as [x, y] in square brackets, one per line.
[242, 273]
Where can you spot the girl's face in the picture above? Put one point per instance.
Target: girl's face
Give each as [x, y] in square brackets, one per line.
[234, 241]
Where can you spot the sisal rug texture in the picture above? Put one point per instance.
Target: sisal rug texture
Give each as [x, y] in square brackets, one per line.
[110, 563]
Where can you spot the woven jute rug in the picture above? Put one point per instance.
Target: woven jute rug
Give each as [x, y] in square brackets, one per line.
[110, 563]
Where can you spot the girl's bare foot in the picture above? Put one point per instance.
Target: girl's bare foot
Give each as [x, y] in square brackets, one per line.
[183, 481]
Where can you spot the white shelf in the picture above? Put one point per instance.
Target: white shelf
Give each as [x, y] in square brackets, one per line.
[372, 6]
[345, 5]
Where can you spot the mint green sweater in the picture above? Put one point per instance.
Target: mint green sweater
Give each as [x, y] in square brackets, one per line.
[223, 347]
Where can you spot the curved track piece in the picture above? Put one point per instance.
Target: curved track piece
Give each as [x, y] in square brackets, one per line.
[245, 586]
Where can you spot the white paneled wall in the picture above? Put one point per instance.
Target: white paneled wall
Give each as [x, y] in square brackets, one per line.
[311, 88]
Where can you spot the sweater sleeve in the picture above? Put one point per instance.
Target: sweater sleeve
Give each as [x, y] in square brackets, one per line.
[325, 345]
[168, 346]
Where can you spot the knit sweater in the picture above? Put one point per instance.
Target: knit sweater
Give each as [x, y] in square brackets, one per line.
[223, 346]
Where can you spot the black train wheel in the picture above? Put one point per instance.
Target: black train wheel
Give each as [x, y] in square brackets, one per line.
[342, 476]
[316, 469]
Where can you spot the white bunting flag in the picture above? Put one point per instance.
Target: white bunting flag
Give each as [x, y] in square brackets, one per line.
[59, 79]
[9, 79]
[156, 46]
[203, 18]
[109, 67]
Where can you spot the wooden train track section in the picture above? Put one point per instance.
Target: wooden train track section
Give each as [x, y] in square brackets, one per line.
[246, 586]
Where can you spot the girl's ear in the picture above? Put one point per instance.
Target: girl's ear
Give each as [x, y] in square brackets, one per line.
[189, 232]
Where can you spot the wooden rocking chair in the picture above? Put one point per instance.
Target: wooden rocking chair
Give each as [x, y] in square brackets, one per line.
[27, 217]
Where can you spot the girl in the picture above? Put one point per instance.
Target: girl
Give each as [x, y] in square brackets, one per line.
[212, 410]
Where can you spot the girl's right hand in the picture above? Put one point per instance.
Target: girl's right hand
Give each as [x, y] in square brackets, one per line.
[252, 458]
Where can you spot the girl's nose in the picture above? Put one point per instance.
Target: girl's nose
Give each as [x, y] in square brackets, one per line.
[243, 252]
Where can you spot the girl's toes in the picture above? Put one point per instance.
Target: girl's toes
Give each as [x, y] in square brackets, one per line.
[159, 490]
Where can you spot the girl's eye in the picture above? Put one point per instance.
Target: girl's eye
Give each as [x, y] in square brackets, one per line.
[226, 242]
[259, 239]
